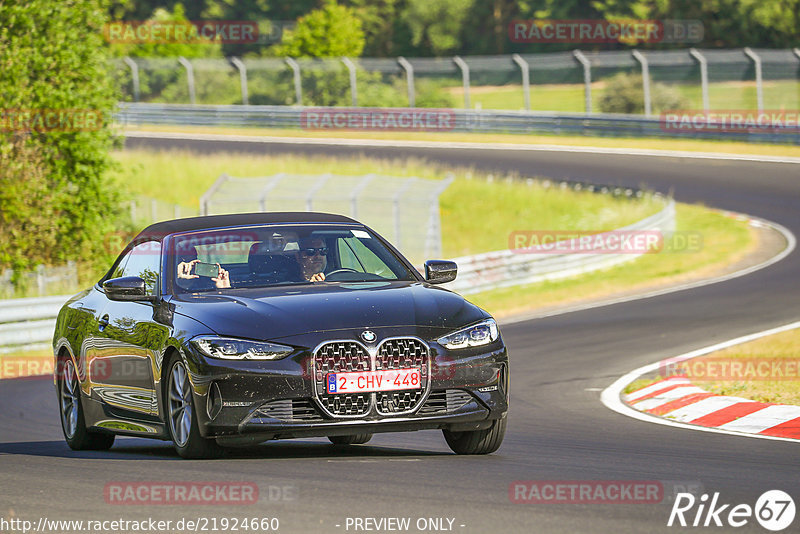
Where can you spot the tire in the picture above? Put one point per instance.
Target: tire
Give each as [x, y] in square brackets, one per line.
[70, 406]
[182, 417]
[352, 439]
[477, 441]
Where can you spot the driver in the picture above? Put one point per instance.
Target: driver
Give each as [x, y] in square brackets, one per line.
[312, 258]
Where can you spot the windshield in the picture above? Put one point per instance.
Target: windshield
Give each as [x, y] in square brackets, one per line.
[265, 256]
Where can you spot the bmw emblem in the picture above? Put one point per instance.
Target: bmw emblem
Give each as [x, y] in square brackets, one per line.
[368, 336]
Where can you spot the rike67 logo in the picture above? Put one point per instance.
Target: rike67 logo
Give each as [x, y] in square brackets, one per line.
[774, 510]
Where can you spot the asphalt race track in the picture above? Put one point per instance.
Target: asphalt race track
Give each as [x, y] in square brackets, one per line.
[558, 428]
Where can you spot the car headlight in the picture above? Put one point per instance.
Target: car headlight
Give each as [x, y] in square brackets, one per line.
[240, 349]
[482, 333]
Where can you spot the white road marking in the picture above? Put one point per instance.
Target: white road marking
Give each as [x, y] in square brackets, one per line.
[611, 395]
[639, 393]
[704, 407]
[669, 396]
[764, 418]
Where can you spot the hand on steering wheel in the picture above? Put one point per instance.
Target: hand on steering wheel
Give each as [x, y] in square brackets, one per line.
[340, 270]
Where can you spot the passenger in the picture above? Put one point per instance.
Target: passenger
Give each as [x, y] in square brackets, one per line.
[186, 268]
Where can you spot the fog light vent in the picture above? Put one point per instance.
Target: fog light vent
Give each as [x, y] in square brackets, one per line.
[214, 404]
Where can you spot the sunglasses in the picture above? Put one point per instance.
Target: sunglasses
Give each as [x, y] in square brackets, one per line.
[308, 252]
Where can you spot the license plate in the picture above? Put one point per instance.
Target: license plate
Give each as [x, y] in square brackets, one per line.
[367, 381]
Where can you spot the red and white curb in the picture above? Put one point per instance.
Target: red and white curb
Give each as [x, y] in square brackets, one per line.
[675, 401]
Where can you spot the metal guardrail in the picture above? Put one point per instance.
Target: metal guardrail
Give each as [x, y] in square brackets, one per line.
[28, 323]
[452, 120]
[505, 268]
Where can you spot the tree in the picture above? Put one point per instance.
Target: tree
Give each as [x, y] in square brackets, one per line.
[438, 25]
[331, 31]
[57, 201]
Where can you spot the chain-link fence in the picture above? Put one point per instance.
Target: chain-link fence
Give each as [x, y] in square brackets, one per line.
[739, 79]
[145, 211]
[403, 210]
[44, 280]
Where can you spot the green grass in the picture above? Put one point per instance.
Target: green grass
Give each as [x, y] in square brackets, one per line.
[477, 215]
[724, 240]
[784, 94]
[779, 350]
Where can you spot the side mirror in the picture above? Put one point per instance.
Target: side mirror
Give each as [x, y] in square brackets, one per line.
[440, 271]
[127, 288]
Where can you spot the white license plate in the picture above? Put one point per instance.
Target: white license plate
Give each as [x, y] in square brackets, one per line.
[367, 381]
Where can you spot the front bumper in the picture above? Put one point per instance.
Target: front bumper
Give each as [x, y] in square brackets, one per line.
[253, 401]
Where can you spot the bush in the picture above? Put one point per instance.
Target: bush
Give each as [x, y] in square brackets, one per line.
[57, 202]
[624, 93]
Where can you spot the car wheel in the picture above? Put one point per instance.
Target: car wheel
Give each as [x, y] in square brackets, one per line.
[182, 419]
[72, 421]
[477, 441]
[352, 439]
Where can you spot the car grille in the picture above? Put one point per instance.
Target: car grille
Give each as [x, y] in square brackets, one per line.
[342, 357]
[401, 354]
[290, 410]
[351, 356]
[442, 402]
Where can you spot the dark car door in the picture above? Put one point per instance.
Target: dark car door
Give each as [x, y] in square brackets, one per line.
[127, 347]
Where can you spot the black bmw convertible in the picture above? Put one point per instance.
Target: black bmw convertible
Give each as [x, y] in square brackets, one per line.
[232, 330]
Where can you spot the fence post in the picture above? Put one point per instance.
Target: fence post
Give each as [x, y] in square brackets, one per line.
[313, 191]
[526, 79]
[189, 76]
[242, 77]
[587, 79]
[72, 274]
[396, 210]
[351, 67]
[205, 199]
[409, 79]
[357, 191]
[298, 84]
[701, 59]
[465, 78]
[648, 109]
[134, 76]
[434, 237]
[41, 280]
[759, 86]
[262, 199]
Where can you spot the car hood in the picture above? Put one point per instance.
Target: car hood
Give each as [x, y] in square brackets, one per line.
[272, 313]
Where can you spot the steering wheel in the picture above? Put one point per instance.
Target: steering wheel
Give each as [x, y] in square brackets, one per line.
[341, 270]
